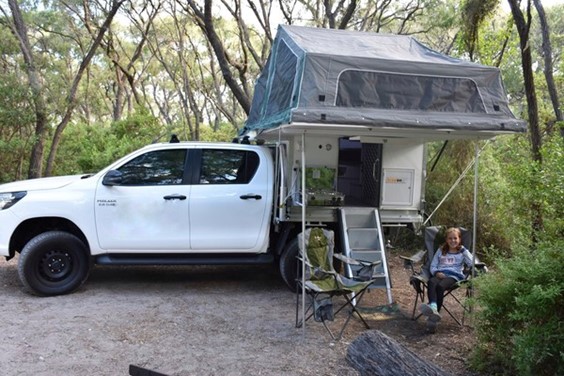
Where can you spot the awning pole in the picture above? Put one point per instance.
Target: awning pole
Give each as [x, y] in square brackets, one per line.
[475, 208]
[303, 246]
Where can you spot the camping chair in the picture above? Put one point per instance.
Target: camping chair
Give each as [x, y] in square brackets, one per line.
[434, 238]
[323, 283]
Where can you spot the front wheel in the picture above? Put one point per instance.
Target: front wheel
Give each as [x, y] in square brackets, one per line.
[53, 263]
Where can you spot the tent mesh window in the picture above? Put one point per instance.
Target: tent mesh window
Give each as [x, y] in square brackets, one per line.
[408, 92]
[281, 93]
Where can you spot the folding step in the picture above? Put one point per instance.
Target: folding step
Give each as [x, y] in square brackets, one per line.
[362, 236]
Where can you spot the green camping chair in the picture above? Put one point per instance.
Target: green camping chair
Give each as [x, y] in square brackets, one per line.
[419, 276]
[322, 283]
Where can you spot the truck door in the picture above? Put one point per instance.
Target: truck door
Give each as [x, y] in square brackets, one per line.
[148, 209]
[230, 201]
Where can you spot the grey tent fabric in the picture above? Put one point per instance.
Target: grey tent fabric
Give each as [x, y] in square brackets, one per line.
[328, 76]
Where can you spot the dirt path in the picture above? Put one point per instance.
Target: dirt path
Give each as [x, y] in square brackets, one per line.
[194, 321]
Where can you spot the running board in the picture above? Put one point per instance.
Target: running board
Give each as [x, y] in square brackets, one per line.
[183, 259]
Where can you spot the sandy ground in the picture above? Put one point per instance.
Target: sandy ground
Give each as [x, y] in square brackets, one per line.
[197, 321]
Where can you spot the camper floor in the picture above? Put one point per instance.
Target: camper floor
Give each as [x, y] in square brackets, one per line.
[197, 321]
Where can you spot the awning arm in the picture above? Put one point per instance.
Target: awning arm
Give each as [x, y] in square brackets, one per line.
[462, 175]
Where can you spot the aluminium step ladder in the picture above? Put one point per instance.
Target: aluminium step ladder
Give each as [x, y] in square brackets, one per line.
[361, 231]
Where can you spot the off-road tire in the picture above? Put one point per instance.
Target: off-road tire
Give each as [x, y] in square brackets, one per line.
[289, 264]
[53, 263]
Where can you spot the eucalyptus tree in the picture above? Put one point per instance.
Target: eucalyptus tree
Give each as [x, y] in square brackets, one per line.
[523, 23]
[548, 57]
[106, 18]
[42, 44]
[234, 69]
[174, 42]
[364, 15]
[124, 45]
[16, 129]
[36, 85]
[16, 113]
[182, 83]
[522, 20]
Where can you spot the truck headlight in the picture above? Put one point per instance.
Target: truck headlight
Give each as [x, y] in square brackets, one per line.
[10, 198]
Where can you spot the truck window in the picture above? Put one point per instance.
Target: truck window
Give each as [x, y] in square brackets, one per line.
[162, 167]
[228, 166]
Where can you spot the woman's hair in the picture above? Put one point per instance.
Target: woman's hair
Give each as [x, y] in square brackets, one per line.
[445, 247]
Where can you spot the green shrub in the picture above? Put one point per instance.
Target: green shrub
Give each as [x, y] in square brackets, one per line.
[519, 323]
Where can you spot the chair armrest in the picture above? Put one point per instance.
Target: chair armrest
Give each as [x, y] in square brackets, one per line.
[351, 261]
[410, 261]
[365, 270]
[418, 278]
[301, 259]
[479, 268]
[418, 257]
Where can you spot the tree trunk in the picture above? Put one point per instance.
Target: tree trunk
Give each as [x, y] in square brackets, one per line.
[375, 354]
[206, 23]
[19, 29]
[548, 67]
[71, 101]
[523, 28]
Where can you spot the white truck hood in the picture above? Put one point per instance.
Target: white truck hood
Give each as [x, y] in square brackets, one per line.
[40, 184]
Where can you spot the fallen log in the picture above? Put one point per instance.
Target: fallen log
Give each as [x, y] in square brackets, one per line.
[375, 354]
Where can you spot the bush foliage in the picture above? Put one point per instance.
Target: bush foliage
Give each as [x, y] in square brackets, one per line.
[521, 305]
[521, 314]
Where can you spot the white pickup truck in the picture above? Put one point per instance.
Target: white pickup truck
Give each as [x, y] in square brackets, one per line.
[176, 203]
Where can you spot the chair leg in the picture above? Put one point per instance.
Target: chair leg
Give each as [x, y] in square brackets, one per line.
[308, 312]
[469, 294]
[463, 305]
[451, 315]
[330, 332]
[353, 303]
[420, 297]
[349, 301]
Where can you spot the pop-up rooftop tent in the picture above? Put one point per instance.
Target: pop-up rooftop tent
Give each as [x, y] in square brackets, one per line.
[325, 76]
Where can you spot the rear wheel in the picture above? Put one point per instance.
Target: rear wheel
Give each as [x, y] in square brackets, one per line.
[53, 263]
[289, 264]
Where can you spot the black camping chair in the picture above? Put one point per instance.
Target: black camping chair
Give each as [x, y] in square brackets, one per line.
[323, 283]
[419, 264]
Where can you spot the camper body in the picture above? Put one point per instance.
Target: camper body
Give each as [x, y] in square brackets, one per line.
[371, 172]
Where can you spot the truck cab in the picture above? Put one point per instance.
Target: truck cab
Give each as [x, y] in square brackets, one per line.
[174, 203]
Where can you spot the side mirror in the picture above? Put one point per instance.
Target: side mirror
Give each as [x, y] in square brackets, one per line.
[113, 177]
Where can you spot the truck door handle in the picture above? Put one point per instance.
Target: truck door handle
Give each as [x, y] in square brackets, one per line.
[250, 195]
[175, 197]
